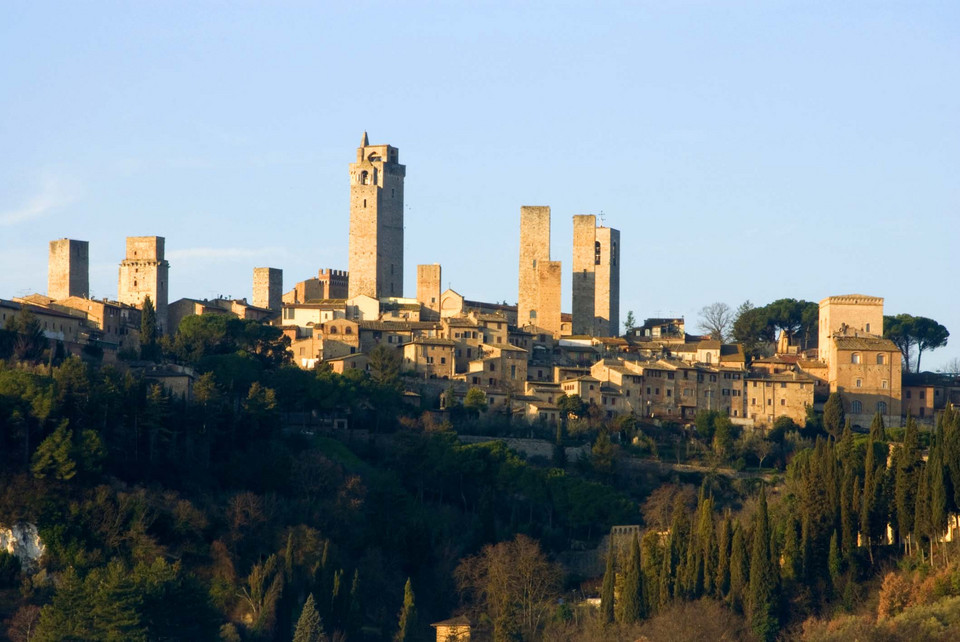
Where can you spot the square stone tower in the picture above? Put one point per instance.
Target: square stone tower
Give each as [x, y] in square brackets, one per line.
[428, 291]
[596, 278]
[268, 287]
[849, 314]
[376, 221]
[68, 271]
[144, 273]
[538, 302]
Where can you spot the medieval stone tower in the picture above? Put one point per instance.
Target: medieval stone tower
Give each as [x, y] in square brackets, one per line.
[538, 302]
[144, 273]
[428, 291]
[596, 278]
[376, 221]
[268, 287]
[68, 271]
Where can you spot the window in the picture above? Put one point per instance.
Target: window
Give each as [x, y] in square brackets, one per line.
[883, 384]
[880, 359]
[443, 359]
[882, 407]
[909, 394]
[493, 367]
[648, 390]
[333, 329]
[867, 328]
[364, 180]
[855, 357]
[348, 330]
[783, 384]
[670, 376]
[859, 383]
[753, 401]
[783, 402]
[923, 394]
[596, 253]
[669, 392]
[769, 402]
[533, 314]
[856, 407]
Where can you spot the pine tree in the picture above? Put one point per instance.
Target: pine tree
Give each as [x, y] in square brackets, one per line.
[631, 596]
[309, 626]
[762, 593]
[408, 626]
[606, 592]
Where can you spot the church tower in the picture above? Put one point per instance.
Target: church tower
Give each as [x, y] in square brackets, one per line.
[376, 221]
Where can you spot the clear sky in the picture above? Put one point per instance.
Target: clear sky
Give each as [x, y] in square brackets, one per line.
[746, 150]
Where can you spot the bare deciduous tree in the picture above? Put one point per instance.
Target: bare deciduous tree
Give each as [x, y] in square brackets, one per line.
[716, 320]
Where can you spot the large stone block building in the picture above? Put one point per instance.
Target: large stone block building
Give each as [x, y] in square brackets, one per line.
[68, 270]
[538, 301]
[376, 221]
[268, 288]
[596, 278]
[143, 273]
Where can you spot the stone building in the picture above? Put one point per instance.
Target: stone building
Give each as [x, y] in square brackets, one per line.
[328, 284]
[596, 278]
[784, 394]
[376, 221]
[429, 357]
[143, 273]
[428, 291]
[68, 270]
[268, 288]
[859, 364]
[538, 302]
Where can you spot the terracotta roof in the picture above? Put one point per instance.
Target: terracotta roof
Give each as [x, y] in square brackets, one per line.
[709, 344]
[433, 342]
[396, 326]
[865, 343]
[460, 620]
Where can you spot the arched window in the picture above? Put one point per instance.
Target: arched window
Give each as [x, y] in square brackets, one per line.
[856, 407]
[364, 177]
[333, 329]
[882, 407]
[348, 330]
[880, 359]
[855, 357]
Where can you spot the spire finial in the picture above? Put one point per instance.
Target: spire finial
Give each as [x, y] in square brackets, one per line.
[364, 142]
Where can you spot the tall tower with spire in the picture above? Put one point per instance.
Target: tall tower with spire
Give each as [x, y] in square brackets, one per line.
[376, 221]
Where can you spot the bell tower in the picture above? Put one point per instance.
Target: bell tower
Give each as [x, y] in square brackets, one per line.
[376, 221]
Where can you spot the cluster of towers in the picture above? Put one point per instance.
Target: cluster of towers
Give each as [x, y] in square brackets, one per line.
[143, 273]
[376, 253]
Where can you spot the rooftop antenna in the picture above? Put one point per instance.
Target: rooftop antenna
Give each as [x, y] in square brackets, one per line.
[602, 220]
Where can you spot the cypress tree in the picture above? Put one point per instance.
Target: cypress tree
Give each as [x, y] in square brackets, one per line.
[762, 593]
[833, 415]
[665, 584]
[835, 560]
[354, 612]
[739, 569]
[877, 429]
[921, 514]
[149, 349]
[938, 494]
[867, 508]
[905, 482]
[606, 592]
[792, 554]
[407, 628]
[848, 516]
[722, 583]
[631, 596]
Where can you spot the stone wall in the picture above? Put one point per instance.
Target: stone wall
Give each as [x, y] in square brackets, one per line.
[68, 269]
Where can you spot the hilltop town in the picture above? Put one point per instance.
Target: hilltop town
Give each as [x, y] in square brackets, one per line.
[525, 357]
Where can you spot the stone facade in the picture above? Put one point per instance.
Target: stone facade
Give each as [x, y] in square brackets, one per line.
[268, 288]
[596, 278]
[334, 284]
[771, 396]
[849, 313]
[376, 221]
[68, 269]
[428, 290]
[143, 273]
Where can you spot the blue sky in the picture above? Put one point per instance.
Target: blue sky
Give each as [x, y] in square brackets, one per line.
[746, 150]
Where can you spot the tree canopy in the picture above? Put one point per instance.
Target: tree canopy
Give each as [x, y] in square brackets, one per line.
[909, 332]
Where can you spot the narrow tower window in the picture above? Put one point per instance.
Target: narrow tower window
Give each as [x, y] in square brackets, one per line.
[364, 178]
[596, 252]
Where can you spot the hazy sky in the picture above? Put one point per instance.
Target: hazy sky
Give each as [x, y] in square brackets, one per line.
[746, 150]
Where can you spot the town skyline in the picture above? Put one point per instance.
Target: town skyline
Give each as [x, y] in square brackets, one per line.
[841, 169]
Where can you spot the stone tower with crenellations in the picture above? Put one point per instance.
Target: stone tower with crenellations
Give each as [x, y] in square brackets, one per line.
[596, 278]
[144, 273]
[268, 287]
[538, 300]
[376, 221]
[68, 271]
